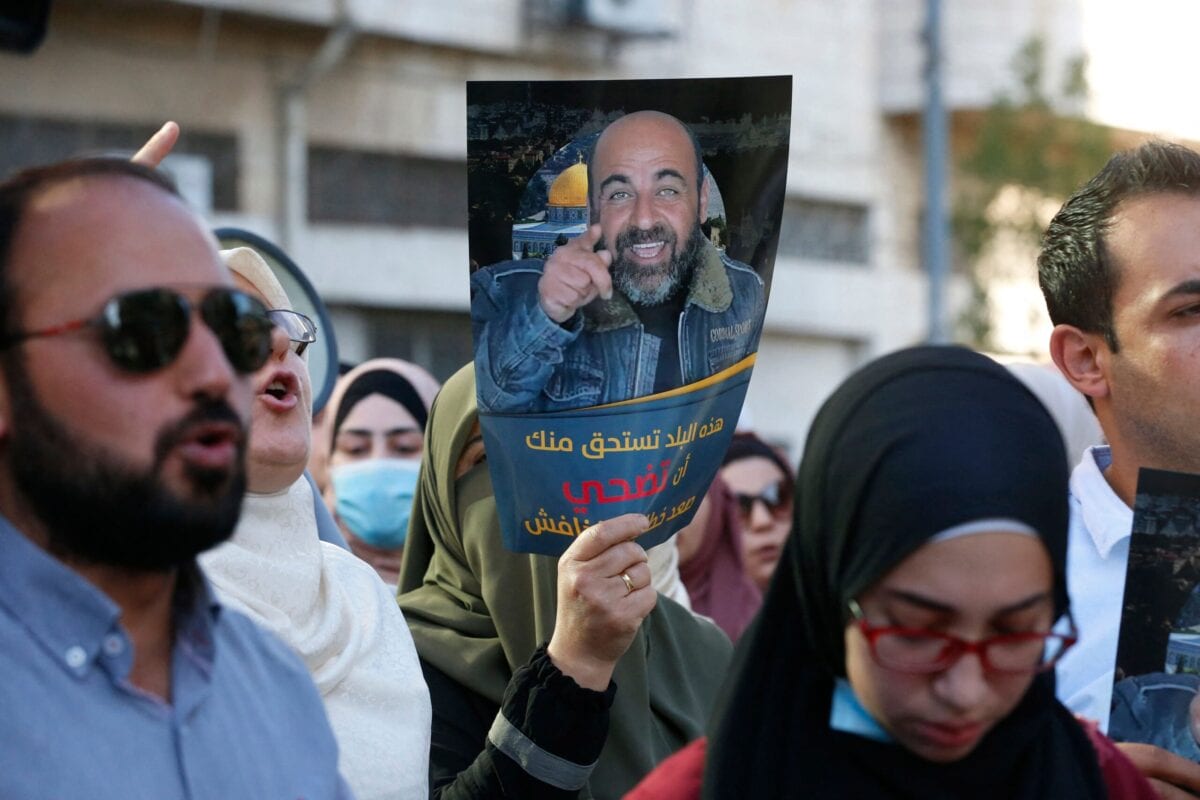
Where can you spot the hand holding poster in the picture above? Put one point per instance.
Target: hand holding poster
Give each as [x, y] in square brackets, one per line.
[628, 230]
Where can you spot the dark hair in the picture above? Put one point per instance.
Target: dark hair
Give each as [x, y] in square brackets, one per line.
[696, 149]
[18, 190]
[1075, 270]
[748, 445]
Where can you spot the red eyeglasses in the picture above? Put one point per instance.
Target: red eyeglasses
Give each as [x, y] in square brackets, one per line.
[920, 650]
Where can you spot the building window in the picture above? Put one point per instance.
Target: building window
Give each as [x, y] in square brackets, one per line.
[825, 231]
[29, 141]
[439, 341]
[385, 189]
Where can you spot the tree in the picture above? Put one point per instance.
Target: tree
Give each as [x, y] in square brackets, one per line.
[1027, 155]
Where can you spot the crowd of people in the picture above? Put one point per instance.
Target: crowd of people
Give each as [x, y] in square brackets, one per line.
[206, 594]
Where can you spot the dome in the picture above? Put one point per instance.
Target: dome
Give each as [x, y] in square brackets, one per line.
[570, 188]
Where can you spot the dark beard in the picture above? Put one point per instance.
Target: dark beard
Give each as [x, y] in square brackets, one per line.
[653, 286]
[101, 511]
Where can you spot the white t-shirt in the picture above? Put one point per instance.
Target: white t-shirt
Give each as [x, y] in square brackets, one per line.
[1097, 553]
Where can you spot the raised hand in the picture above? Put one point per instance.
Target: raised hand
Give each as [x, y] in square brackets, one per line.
[158, 146]
[575, 275]
[604, 593]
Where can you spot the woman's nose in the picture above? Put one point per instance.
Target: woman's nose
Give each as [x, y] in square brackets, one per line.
[279, 343]
[962, 685]
[760, 515]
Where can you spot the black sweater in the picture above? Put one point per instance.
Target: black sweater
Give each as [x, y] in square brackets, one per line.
[555, 714]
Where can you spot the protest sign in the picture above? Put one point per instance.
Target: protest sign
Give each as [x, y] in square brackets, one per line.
[1158, 651]
[622, 239]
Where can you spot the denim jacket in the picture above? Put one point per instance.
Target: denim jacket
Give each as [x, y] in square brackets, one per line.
[1155, 709]
[526, 362]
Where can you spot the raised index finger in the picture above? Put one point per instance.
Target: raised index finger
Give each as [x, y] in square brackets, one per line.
[158, 146]
[597, 266]
[603, 535]
[588, 238]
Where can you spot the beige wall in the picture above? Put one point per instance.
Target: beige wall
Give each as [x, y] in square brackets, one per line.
[219, 65]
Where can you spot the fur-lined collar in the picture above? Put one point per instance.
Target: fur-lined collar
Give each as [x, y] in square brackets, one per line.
[709, 289]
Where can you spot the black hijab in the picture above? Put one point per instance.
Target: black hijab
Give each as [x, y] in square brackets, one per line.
[390, 384]
[911, 445]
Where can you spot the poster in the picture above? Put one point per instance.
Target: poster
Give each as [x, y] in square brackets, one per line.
[622, 238]
[1158, 650]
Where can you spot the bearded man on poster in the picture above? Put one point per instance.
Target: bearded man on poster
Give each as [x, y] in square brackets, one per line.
[640, 303]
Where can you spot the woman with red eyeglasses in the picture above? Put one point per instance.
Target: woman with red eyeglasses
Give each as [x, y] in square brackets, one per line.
[905, 647]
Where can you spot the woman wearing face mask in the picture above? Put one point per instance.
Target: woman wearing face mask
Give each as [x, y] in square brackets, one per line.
[905, 647]
[376, 437]
[324, 603]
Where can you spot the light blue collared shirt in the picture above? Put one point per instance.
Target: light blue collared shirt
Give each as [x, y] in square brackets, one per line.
[245, 720]
[847, 714]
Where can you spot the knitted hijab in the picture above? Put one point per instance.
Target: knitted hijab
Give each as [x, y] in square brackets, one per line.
[714, 576]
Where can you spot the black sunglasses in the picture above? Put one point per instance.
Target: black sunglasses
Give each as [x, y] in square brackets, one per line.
[144, 330]
[772, 497]
[301, 330]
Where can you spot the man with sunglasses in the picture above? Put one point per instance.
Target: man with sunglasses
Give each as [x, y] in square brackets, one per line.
[125, 356]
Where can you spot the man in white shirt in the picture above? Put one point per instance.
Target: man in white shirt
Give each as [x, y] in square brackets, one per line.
[1120, 270]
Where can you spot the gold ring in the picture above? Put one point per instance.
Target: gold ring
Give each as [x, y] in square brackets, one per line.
[628, 582]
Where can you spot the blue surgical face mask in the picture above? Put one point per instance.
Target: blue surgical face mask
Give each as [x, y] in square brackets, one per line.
[374, 498]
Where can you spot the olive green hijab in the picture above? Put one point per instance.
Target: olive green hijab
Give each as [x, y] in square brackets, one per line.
[478, 611]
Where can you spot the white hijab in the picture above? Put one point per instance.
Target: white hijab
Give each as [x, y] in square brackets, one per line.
[337, 614]
[664, 572]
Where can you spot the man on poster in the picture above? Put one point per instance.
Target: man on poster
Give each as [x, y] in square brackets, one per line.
[640, 303]
[1122, 284]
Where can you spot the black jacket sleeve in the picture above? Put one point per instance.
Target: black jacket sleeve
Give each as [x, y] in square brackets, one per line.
[552, 714]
